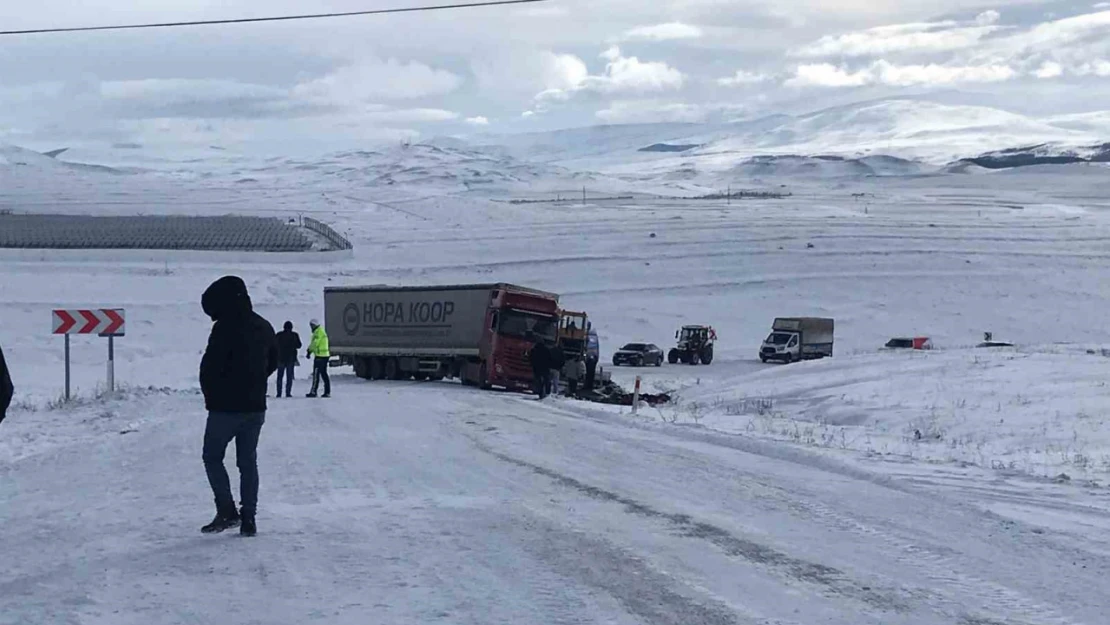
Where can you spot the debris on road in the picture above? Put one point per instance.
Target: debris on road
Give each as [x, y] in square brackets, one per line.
[609, 392]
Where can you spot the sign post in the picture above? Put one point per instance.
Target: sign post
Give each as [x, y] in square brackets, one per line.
[111, 363]
[106, 322]
[67, 367]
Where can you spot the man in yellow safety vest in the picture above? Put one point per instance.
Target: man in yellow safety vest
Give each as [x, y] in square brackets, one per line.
[320, 353]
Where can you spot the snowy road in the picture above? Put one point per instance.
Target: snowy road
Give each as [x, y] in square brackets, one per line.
[400, 503]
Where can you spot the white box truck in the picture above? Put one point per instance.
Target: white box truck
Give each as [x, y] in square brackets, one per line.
[798, 338]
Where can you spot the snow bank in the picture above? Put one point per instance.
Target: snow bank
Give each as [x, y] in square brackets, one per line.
[1036, 411]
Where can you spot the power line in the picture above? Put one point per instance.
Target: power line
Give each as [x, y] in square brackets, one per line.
[280, 18]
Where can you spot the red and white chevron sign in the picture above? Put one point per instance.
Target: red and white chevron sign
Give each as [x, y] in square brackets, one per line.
[89, 321]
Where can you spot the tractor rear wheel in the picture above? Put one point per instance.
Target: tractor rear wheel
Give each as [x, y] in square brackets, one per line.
[707, 356]
[673, 356]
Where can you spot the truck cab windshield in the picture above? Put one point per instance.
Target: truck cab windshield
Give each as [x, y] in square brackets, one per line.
[779, 338]
[519, 324]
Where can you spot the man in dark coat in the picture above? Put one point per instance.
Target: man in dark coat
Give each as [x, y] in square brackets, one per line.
[7, 390]
[289, 343]
[557, 359]
[540, 358]
[241, 356]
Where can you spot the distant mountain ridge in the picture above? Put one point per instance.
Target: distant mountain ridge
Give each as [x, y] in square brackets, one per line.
[912, 130]
[894, 137]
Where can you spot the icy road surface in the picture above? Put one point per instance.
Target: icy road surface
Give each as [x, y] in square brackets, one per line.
[393, 504]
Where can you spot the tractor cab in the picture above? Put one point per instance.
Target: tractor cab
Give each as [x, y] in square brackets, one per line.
[695, 345]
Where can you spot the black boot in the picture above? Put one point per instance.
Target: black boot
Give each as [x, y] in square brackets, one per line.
[248, 528]
[221, 523]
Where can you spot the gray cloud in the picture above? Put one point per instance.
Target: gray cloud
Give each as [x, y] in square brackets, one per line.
[341, 82]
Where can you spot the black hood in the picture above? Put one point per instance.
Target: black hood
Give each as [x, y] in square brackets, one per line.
[226, 297]
[288, 327]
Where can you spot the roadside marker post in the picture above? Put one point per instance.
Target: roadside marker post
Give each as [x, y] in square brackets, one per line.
[636, 396]
[105, 322]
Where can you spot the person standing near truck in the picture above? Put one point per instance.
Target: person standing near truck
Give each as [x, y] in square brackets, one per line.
[574, 370]
[557, 362]
[236, 367]
[289, 344]
[540, 358]
[320, 354]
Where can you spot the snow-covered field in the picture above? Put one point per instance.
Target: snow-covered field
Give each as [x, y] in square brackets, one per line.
[958, 486]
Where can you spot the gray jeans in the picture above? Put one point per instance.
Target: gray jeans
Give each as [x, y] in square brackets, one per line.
[222, 428]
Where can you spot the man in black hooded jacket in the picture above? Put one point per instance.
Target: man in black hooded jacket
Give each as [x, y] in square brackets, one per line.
[234, 372]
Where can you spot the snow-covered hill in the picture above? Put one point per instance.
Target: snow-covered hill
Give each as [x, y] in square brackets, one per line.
[1043, 154]
[907, 128]
[904, 128]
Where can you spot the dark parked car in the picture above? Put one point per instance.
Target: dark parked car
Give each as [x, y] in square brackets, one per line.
[638, 355]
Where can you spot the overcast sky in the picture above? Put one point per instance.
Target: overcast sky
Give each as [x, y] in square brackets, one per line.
[345, 83]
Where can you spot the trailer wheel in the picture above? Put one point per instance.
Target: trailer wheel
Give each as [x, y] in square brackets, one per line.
[392, 369]
[483, 378]
[376, 368]
[362, 368]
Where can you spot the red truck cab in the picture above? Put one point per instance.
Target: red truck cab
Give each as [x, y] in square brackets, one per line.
[514, 314]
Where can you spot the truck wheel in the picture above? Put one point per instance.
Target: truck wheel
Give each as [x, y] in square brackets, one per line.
[788, 358]
[672, 356]
[376, 369]
[362, 367]
[392, 369]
